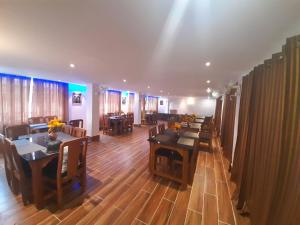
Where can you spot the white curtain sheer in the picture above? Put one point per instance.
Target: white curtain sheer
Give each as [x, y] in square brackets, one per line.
[113, 101]
[151, 104]
[14, 100]
[49, 98]
[131, 102]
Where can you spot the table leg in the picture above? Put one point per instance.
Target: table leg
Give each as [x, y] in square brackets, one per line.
[185, 168]
[37, 184]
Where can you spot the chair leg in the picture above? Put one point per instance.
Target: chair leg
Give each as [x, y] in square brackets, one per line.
[15, 185]
[83, 183]
[59, 196]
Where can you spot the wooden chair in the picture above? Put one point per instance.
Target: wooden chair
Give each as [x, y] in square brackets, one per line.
[47, 119]
[36, 120]
[71, 165]
[130, 117]
[125, 124]
[78, 132]
[76, 123]
[107, 129]
[18, 172]
[15, 131]
[161, 128]
[67, 129]
[206, 135]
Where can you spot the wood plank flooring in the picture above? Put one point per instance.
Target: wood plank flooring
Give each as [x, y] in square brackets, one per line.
[120, 190]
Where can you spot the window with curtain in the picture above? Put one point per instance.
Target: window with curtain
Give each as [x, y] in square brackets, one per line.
[14, 100]
[49, 98]
[151, 103]
[101, 106]
[131, 102]
[113, 101]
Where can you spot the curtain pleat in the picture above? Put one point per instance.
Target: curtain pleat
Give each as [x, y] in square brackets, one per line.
[151, 104]
[113, 101]
[131, 102]
[14, 98]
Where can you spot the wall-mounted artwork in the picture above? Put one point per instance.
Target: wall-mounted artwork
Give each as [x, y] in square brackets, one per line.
[123, 100]
[76, 98]
[161, 102]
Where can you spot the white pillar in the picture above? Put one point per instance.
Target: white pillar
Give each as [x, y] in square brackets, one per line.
[137, 109]
[92, 111]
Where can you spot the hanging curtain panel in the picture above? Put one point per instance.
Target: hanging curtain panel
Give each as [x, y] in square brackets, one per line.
[14, 100]
[151, 104]
[218, 115]
[49, 98]
[113, 101]
[101, 108]
[131, 102]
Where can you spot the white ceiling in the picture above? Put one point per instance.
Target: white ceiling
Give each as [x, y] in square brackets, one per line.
[161, 43]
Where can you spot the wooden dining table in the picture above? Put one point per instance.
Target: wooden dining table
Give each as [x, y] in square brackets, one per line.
[116, 124]
[38, 150]
[186, 147]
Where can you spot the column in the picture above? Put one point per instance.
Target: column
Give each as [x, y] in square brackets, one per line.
[92, 111]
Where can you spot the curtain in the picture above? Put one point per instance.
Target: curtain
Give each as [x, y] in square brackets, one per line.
[49, 98]
[14, 100]
[266, 163]
[101, 108]
[151, 104]
[228, 124]
[131, 102]
[218, 114]
[113, 104]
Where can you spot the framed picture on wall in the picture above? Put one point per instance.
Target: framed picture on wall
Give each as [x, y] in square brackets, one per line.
[161, 102]
[123, 100]
[76, 98]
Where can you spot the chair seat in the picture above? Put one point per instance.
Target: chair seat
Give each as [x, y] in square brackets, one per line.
[164, 152]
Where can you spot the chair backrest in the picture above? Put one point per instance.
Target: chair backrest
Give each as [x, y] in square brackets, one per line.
[152, 132]
[161, 128]
[171, 124]
[76, 123]
[36, 120]
[67, 129]
[76, 157]
[7, 154]
[15, 131]
[106, 122]
[14, 156]
[47, 119]
[78, 132]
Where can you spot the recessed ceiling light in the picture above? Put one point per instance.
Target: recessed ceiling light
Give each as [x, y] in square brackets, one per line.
[161, 91]
[208, 90]
[208, 81]
[124, 80]
[207, 64]
[148, 86]
[72, 65]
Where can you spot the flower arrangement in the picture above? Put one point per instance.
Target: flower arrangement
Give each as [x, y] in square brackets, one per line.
[53, 125]
[177, 126]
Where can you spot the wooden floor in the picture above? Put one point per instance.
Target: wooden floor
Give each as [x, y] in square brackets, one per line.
[120, 190]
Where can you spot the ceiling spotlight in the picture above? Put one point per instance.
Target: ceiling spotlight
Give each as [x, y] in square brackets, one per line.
[72, 65]
[161, 91]
[208, 90]
[148, 86]
[207, 64]
[124, 80]
[208, 81]
[215, 94]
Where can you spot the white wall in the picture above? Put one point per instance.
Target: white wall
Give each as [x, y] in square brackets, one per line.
[77, 111]
[164, 108]
[202, 106]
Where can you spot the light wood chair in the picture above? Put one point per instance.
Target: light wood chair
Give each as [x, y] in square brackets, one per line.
[71, 165]
[36, 120]
[76, 123]
[13, 132]
[78, 132]
[107, 129]
[67, 129]
[47, 119]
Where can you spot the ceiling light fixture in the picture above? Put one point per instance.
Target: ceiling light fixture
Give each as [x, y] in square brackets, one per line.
[161, 91]
[208, 90]
[208, 81]
[207, 64]
[124, 80]
[72, 65]
[148, 86]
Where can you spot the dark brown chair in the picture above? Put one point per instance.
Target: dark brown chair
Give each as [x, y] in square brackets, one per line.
[76, 123]
[206, 134]
[152, 132]
[47, 119]
[78, 132]
[130, 118]
[36, 120]
[125, 124]
[107, 129]
[18, 172]
[161, 128]
[67, 129]
[13, 132]
[70, 165]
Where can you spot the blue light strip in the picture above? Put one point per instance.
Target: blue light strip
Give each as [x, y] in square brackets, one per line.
[14, 76]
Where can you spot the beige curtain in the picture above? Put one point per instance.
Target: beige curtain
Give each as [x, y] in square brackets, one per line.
[49, 98]
[14, 99]
[113, 101]
[151, 104]
[131, 102]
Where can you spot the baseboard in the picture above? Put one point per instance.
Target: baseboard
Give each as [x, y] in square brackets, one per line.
[137, 125]
[94, 138]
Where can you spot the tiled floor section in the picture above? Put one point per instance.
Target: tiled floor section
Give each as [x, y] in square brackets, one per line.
[121, 191]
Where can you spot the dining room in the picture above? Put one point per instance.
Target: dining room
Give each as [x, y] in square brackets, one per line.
[176, 112]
